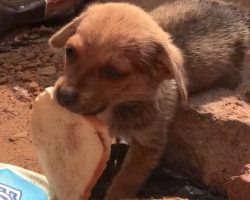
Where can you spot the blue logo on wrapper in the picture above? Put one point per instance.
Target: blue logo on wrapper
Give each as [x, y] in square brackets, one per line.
[14, 187]
[9, 193]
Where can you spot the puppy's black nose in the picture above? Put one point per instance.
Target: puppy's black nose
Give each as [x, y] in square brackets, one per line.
[66, 96]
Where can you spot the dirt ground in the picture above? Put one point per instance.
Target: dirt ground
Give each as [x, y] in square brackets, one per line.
[27, 66]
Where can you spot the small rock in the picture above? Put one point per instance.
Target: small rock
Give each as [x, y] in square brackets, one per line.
[246, 169]
[47, 71]
[191, 192]
[21, 93]
[4, 80]
[33, 86]
[34, 36]
[43, 30]
[194, 191]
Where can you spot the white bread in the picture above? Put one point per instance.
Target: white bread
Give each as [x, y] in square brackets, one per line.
[72, 150]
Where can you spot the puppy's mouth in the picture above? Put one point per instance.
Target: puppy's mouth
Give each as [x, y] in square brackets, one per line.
[88, 110]
[96, 111]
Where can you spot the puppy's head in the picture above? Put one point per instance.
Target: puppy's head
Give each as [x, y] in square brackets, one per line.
[114, 53]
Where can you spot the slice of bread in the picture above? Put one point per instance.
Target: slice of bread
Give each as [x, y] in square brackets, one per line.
[72, 149]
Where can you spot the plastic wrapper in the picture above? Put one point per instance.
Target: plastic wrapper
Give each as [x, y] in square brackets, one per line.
[20, 184]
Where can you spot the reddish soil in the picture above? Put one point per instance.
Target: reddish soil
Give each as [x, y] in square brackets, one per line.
[27, 66]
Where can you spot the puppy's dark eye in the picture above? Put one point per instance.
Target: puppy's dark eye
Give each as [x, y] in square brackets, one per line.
[70, 53]
[111, 73]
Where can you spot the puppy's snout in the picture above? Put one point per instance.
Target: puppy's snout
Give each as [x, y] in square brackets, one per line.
[66, 96]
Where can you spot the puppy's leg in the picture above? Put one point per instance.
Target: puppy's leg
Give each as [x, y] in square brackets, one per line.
[136, 168]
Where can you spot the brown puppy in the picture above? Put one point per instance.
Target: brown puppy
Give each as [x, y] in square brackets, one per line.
[123, 66]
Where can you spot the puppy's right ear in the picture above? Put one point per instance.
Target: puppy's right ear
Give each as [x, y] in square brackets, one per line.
[58, 40]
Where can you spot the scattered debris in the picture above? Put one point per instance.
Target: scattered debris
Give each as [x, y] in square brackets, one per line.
[42, 31]
[11, 140]
[21, 93]
[7, 110]
[47, 71]
[33, 86]
[34, 36]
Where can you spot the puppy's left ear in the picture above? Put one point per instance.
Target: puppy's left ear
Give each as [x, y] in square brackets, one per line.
[170, 58]
[58, 40]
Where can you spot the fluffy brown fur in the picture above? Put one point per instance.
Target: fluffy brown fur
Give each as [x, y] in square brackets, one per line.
[213, 36]
[127, 66]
